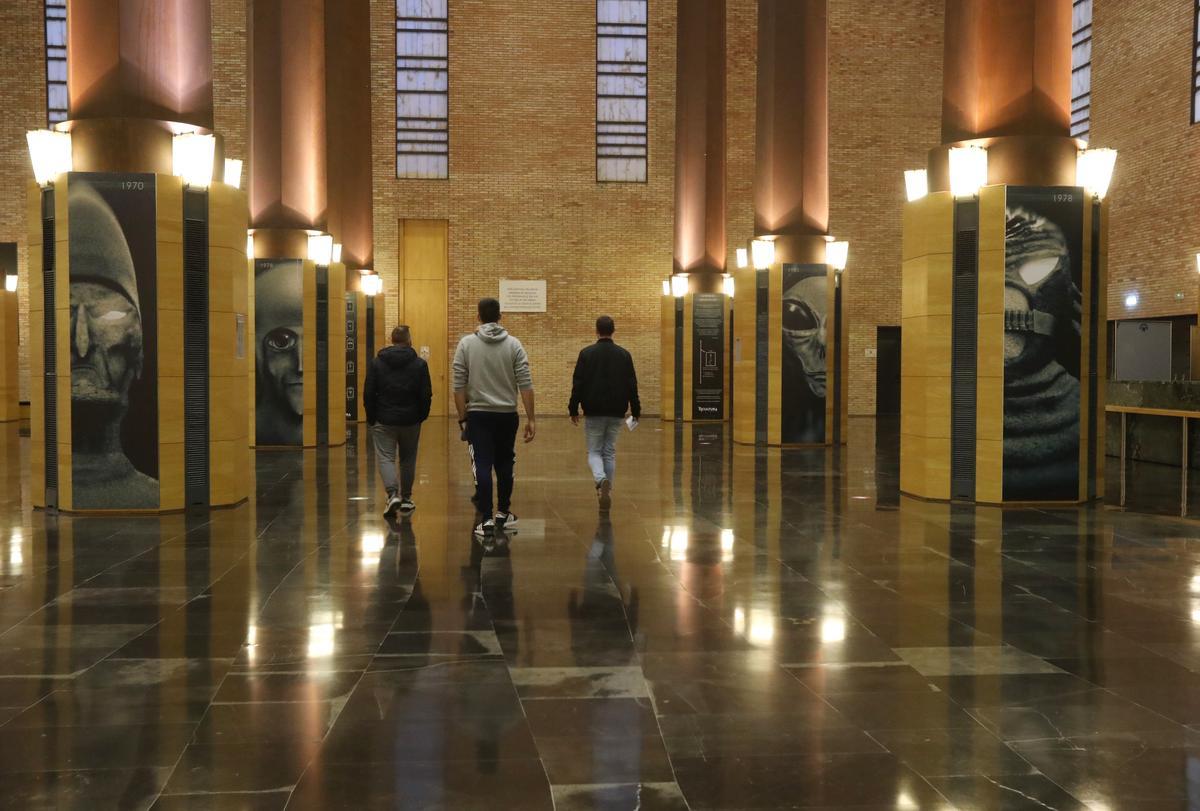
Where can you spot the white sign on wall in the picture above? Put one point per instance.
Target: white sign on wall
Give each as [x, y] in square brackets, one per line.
[523, 295]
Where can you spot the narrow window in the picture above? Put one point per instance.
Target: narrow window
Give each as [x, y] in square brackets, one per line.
[56, 60]
[1081, 69]
[621, 130]
[422, 89]
[1196, 66]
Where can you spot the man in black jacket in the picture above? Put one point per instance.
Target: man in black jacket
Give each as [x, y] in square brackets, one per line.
[396, 397]
[605, 384]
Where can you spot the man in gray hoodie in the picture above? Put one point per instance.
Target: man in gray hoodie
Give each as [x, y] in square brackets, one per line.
[490, 371]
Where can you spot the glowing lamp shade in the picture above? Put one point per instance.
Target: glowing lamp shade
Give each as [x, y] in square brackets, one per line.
[667, 285]
[192, 158]
[320, 248]
[1094, 170]
[10, 283]
[727, 285]
[249, 246]
[968, 170]
[372, 285]
[916, 184]
[679, 285]
[233, 172]
[743, 258]
[337, 252]
[1198, 262]
[50, 153]
[836, 254]
[762, 253]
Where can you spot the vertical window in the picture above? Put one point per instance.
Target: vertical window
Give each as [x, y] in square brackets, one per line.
[56, 60]
[621, 131]
[422, 89]
[1196, 66]
[1081, 69]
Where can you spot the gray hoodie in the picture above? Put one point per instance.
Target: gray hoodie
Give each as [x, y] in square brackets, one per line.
[491, 365]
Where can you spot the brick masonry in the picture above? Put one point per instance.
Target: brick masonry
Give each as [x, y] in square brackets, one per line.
[522, 200]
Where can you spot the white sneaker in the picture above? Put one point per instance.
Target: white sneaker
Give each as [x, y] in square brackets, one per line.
[485, 528]
[407, 506]
[393, 504]
[509, 519]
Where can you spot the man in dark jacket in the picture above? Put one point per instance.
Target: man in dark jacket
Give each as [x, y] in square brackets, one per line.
[396, 397]
[605, 384]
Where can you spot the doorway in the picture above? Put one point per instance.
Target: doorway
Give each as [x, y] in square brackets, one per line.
[887, 371]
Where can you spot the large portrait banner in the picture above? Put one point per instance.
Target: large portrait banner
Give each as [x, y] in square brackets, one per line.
[805, 313]
[279, 351]
[1043, 273]
[113, 271]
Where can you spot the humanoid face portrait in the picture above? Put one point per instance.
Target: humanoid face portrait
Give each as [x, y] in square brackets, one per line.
[805, 314]
[112, 271]
[279, 352]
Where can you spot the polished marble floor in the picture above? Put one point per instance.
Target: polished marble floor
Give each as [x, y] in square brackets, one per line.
[746, 630]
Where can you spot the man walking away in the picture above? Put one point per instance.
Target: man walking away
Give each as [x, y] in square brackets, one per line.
[490, 371]
[396, 396]
[604, 383]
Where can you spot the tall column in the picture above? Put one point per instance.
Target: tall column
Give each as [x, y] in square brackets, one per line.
[695, 325]
[138, 294]
[1003, 305]
[298, 367]
[789, 354]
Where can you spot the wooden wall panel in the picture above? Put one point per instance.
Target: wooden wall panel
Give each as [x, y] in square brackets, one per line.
[744, 367]
[10, 395]
[424, 270]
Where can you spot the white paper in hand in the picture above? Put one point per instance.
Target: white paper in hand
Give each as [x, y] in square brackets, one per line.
[631, 423]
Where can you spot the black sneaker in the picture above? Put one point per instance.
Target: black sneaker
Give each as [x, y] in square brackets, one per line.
[407, 506]
[393, 504]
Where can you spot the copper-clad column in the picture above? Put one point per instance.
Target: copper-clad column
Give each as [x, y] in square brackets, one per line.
[700, 142]
[1007, 85]
[348, 83]
[287, 121]
[140, 59]
[791, 180]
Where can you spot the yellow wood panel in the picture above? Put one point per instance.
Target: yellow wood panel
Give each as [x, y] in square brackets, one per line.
[170, 475]
[990, 345]
[170, 409]
[9, 388]
[223, 349]
[937, 345]
[228, 282]
[936, 391]
[989, 408]
[229, 474]
[914, 287]
[991, 282]
[425, 301]
[912, 464]
[928, 226]
[939, 281]
[992, 219]
[989, 470]
[425, 250]
[937, 468]
[744, 374]
[169, 190]
[228, 401]
[169, 293]
[228, 217]
[170, 342]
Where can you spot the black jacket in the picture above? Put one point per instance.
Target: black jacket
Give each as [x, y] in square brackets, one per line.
[398, 390]
[605, 382]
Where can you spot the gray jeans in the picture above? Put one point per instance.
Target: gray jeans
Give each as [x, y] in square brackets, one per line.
[387, 439]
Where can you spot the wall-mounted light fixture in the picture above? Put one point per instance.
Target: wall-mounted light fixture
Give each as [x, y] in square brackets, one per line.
[320, 248]
[371, 284]
[233, 172]
[727, 284]
[836, 255]
[1131, 301]
[249, 246]
[1198, 262]
[1094, 170]
[666, 287]
[679, 285]
[743, 258]
[968, 170]
[337, 252]
[50, 153]
[916, 184]
[762, 253]
[192, 158]
[10, 282]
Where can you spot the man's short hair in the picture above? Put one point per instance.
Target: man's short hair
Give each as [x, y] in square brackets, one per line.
[605, 326]
[402, 335]
[489, 310]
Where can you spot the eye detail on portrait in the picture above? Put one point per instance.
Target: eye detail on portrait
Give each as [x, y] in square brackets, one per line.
[1042, 305]
[112, 272]
[279, 353]
[805, 310]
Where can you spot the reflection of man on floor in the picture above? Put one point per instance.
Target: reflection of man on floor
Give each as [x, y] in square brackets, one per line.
[106, 357]
[805, 307]
[279, 354]
[1041, 361]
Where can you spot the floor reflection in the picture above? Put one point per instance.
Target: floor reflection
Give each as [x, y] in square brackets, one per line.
[747, 628]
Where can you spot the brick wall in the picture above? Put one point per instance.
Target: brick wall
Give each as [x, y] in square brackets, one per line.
[741, 82]
[229, 79]
[885, 90]
[522, 199]
[1141, 106]
[23, 89]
